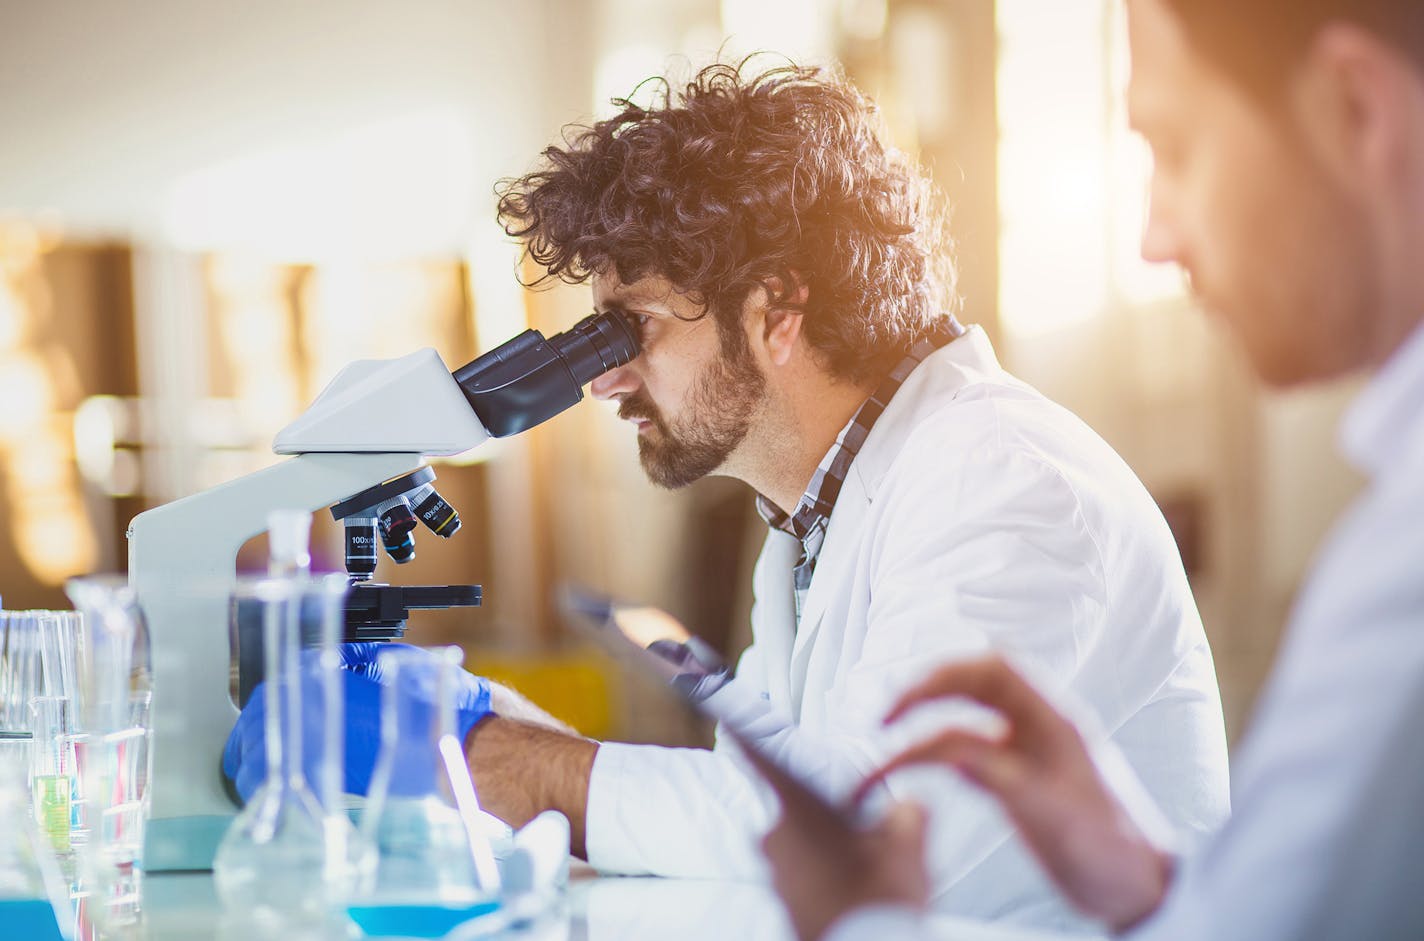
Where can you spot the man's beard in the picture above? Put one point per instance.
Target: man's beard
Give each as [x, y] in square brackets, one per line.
[718, 414]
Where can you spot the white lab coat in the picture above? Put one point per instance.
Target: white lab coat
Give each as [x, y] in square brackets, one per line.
[1327, 841]
[978, 515]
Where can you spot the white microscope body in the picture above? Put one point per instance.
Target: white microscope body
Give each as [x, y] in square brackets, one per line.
[375, 421]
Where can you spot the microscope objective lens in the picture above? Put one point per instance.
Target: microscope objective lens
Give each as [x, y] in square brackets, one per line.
[396, 522]
[360, 547]
[435, 512]
[401, 549]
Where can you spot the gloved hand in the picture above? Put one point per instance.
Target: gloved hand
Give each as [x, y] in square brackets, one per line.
[245, 754]
[472, 698]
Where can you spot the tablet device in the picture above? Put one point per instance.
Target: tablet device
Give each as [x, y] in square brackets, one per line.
[659, 645]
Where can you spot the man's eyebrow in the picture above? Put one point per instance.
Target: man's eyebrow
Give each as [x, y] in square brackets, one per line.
[636, 306]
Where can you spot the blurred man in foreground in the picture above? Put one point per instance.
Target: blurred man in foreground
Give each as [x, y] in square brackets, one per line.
[1289, 183]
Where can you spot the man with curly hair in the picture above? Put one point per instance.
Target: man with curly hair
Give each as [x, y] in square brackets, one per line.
[789, 276]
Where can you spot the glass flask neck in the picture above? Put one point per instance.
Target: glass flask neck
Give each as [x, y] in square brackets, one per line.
[281, 641]
[418, 710]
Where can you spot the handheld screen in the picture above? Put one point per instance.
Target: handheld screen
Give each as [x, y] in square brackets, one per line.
[662, 646]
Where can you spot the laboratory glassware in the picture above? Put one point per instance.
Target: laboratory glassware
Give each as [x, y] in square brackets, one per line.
[34, 903]
[22, 676]
[52, 770]
[60, 636]
[114, 689]
[435, 868]
[286, 858]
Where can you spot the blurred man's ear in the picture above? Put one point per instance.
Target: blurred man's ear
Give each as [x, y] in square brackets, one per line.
[1361, 104]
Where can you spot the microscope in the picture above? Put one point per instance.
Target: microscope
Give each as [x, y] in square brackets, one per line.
[360, 449]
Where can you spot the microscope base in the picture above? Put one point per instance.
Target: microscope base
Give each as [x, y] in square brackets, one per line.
[183, 844]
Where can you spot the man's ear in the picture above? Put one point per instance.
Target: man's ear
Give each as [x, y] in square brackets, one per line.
[1351, 95]
[784, 316]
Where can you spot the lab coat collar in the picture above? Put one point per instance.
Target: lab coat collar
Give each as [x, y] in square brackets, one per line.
[971, 360]
[1384, 427]
[924, 392]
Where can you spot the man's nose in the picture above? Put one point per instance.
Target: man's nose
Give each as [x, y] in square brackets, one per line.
[613, 384]
[1160, 241]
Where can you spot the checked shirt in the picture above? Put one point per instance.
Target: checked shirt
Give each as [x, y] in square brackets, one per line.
[813, 511]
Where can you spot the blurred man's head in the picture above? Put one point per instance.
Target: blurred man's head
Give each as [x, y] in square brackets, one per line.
[714, 210]
[1288, 138]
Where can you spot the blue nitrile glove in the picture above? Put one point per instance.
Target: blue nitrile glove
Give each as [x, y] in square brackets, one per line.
[472, 699]
[245, 754]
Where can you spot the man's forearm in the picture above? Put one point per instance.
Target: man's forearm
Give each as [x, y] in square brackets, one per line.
[521, 769]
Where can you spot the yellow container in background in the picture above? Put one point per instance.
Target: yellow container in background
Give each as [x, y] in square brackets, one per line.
[577, 687]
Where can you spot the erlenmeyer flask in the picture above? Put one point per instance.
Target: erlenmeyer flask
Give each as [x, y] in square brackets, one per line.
[434, 865]
[285, 858]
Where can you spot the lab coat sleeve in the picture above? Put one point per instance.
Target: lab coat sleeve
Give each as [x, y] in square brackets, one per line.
[683, 812]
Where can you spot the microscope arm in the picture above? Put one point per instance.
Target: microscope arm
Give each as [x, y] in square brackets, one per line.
[181, 559]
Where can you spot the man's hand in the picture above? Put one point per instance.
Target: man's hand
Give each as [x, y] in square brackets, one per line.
[1041, 773]
[823, 867]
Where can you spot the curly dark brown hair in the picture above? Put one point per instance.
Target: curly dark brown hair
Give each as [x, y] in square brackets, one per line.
[732, 182]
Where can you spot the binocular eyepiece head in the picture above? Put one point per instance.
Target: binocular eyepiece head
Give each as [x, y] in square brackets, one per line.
[529, 379]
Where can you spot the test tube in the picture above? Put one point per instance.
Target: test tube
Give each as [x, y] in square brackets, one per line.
[52, 769]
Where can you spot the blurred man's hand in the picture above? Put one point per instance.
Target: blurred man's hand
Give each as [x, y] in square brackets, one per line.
[823, 867]
[1042, 774]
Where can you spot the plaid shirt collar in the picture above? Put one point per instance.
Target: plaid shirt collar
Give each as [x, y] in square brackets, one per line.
[813, 511]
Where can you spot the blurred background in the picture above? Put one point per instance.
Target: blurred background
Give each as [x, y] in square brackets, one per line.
[206, 209]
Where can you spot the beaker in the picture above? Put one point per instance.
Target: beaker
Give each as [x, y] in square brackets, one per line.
[114, 688]
[287, 858]
[435, 868]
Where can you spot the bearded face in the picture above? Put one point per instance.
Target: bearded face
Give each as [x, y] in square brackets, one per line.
[682, 442]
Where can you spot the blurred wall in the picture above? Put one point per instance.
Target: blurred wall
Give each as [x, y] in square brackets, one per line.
[120, 117]
[334, 134]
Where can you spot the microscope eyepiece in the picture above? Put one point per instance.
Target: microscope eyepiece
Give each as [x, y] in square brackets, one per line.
[596, 344]
[528, 379]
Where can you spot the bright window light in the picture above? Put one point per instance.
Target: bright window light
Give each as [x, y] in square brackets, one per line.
[1072, 177]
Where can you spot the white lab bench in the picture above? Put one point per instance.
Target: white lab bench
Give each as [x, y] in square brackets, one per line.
[182, 907]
